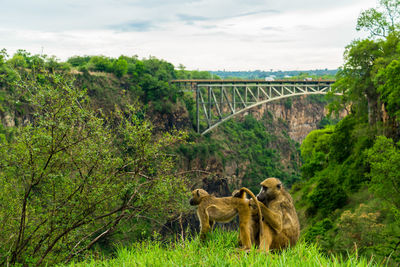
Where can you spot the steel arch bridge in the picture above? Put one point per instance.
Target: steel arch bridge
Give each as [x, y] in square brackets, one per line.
[220, 100]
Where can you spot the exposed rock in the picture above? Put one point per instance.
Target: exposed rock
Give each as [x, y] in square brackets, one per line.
[302, 116]
[8, 121]
[11, 120]
[288, 120]
[217, 186]
[178, 119]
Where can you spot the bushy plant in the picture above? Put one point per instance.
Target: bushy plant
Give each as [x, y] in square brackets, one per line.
[100, 63]
[318, 230]
[120, 67]
[70, 176]
[314, 151]
[362, 229]
[384, 159]
[77, 61]
[342, 139]
[327, 196]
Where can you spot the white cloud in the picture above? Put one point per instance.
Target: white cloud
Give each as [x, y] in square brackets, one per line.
[201, 34]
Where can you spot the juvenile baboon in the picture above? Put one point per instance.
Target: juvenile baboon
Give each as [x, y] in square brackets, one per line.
[213, 209]
[280, 226]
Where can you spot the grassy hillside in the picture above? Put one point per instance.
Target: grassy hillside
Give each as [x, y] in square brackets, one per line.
[220, 249]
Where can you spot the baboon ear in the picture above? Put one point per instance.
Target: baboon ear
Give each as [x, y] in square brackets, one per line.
[279, 186]
[198, 194]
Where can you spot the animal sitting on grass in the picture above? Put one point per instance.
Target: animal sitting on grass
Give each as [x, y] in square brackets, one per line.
[280, 225]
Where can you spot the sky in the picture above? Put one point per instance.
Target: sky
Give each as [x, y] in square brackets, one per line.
[199, 34]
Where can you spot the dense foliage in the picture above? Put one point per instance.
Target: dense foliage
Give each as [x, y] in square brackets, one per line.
[82, 168]
[93, 163]
[248, 148]
[348, 197]
[70, 176]
[252, 143]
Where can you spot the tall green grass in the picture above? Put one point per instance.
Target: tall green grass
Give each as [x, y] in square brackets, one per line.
[220, 249]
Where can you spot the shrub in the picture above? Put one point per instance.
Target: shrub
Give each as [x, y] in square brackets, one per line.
[100, 63]
[327, 196]
[68, 179]
[120, 67]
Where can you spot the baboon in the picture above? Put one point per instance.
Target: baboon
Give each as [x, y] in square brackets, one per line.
[213, 209]
[280, 226]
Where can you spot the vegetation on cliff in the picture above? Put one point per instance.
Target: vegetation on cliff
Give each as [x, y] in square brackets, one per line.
[41, 98]
[74, 175]
[82, 167]
[247, 149]
[71, 176]
[349, 194]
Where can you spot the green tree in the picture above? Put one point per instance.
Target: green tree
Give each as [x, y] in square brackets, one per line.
[384, 158]
[390, 88]
[17, 61]
[120, 67]
[355, 79]
[327, 196]
[77, 61]
[68, 179]
[381, 21]
[364, 228]
[315, 150]
[100, 63]
[359, 77]
[7, 74]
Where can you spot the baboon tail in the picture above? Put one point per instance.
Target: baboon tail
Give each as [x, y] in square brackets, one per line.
[244, 189]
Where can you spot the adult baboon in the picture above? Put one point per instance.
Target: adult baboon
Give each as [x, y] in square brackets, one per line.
[213, 209]
[280, 226]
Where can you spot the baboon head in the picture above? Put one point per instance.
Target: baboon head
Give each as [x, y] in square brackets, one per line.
[270, 189]
[197, 195]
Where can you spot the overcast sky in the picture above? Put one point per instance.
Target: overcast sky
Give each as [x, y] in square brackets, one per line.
[200, 34]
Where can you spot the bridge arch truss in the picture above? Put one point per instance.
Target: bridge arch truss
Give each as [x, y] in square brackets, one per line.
[220, 100]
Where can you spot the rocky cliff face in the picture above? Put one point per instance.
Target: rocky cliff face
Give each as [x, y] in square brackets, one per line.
[287, 121]
[291, 120]
[300, 115]
[12, 119]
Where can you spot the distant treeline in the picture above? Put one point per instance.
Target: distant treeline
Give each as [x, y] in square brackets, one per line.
[260, 74]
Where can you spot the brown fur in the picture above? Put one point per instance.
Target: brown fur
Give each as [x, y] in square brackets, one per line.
[213, 209]
[280, 226]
